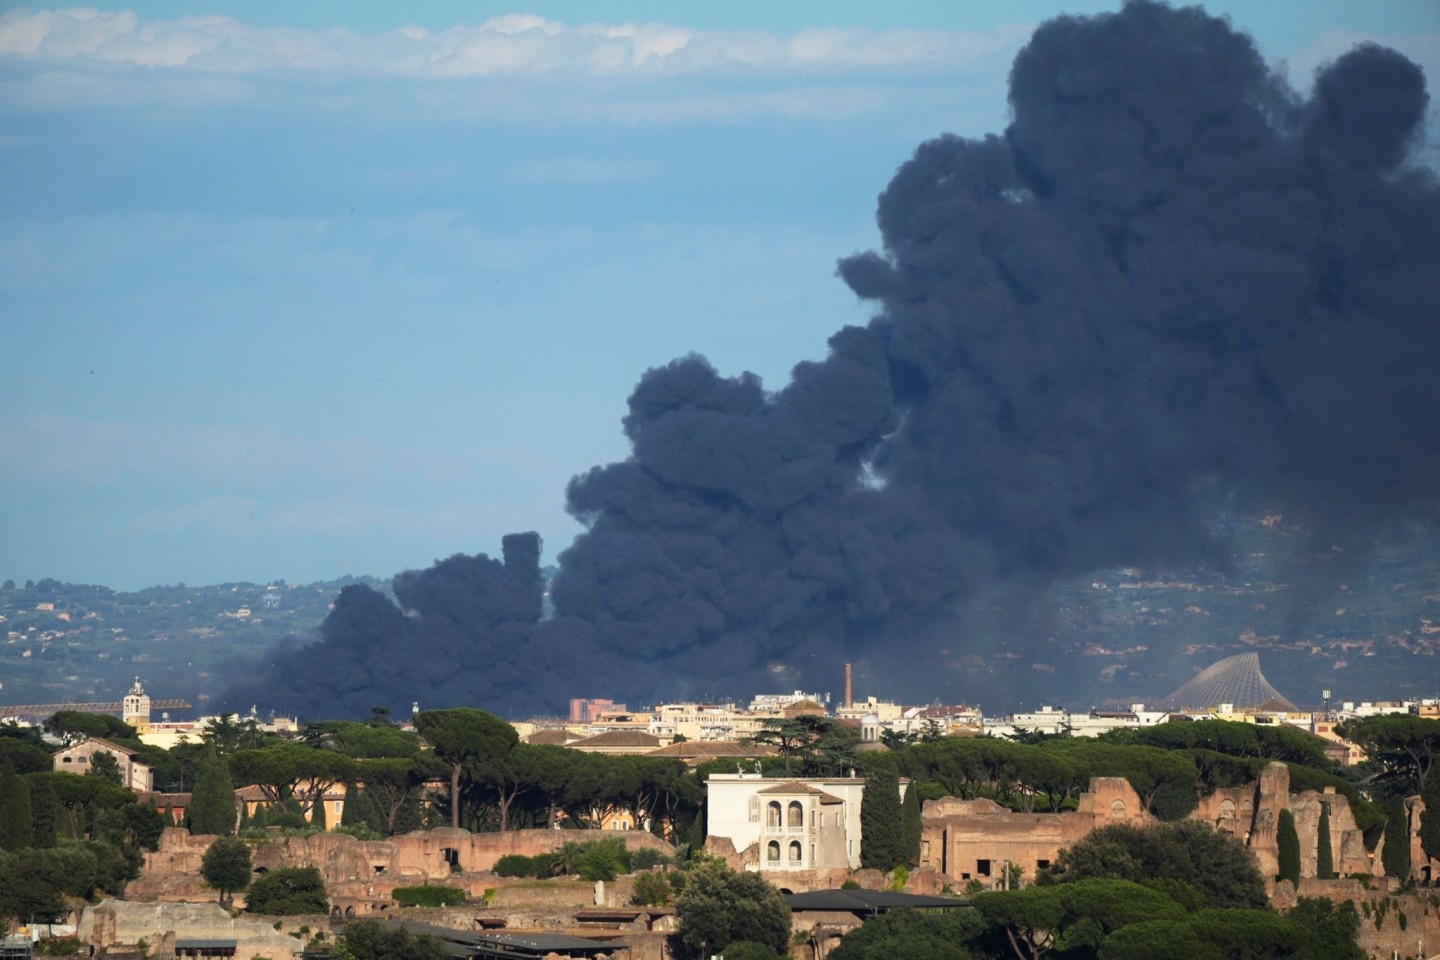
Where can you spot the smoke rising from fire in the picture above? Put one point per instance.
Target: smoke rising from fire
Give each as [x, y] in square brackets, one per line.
[1170, 282]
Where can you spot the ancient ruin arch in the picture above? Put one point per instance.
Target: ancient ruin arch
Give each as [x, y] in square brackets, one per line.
[1227, 809]
[1117, 810]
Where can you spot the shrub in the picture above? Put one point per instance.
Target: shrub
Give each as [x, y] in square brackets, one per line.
[429, 895]
[287, 892]
[652, 889]
[645, 858]
[514, 865]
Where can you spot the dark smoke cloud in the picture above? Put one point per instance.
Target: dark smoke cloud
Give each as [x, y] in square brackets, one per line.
[1171, 282]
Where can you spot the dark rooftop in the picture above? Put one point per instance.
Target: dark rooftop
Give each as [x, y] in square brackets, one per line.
[868, 902]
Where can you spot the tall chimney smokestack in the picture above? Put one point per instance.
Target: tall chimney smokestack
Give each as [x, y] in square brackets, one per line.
[849, 691]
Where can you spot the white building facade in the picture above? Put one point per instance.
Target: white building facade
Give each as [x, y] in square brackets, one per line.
[800, 824]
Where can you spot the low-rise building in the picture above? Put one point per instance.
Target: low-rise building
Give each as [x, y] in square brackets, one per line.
[809, 823]
[80, 759]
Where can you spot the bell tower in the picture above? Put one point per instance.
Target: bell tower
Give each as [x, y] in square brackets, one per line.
[135, 709]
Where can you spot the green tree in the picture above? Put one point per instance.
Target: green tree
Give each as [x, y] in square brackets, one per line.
[1324, 852]
[45, 810]
[17, 821]
[911, 824]
[1395, 854]
[719, 907]
[360, 809]
[212, 802]
[104, 765]
[652, 889]
[373, 940]
[882, 839]
[1430, 818]
[1333, 926]
[1211, 861]
[32, 885]
[1401, 746]
[288, 891]
[226, 866]
[461, 737]
[1289, 843]
[1070, 919]
[911, 935]
[72, 726]
[292, 771]
[28, 757]
[1171, 939]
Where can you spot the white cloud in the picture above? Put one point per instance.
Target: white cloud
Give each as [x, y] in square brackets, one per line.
[508, 45]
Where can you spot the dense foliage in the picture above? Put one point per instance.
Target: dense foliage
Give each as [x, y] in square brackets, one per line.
[226, 866]
[288, 891]
[882, 831]
[374, 940]
[429, 895]
[719, 907]
[1289, 843]
[1220, 870]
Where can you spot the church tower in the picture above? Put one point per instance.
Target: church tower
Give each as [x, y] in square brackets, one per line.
[135, 709]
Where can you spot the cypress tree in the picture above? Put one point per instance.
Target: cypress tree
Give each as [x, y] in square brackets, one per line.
[212, 802]
[882, 843]
[360, 809]
[1430, 817]
[911, 823]
[1289, 842]
[1324, 855]
[17, 822]
[1395, 854]
[318, 813]
[44, 810]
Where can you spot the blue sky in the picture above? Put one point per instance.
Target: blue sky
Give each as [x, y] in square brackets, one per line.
[305, 289]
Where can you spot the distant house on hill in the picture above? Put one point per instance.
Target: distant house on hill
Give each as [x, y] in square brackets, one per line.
[80, 759]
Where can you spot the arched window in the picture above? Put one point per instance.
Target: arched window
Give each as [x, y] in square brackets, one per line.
[795, 815]
[772, 814]
[795, 853]
[772, 851]
[1227, 809]
[1117, 810]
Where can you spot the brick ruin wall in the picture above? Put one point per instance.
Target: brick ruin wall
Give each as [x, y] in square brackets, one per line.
[363, 873]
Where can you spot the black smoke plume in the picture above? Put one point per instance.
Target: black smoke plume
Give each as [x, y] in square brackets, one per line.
[1170, 283]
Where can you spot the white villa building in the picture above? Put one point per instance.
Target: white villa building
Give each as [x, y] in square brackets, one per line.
[794, 824]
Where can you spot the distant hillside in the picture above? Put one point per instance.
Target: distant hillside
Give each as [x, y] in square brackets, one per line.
[78, 642]
[1364, 625]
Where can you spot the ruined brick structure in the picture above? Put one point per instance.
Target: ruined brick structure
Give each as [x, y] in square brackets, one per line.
[965, 840]
[360, 875]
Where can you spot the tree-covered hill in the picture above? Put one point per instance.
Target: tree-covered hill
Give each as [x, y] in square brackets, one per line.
[81, 642]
